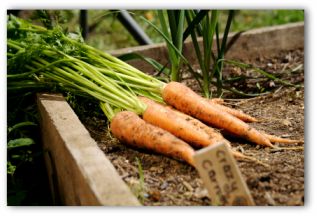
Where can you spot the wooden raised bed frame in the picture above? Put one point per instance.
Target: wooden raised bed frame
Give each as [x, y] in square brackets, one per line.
[79, 172]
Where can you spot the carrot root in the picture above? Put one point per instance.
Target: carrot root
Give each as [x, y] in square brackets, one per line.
[217, 101]
[276, 139]
[240, 156]
[237, 113]
[213, 134]
[297, 148]
[130, 129]
[180, 125]
[187, 101]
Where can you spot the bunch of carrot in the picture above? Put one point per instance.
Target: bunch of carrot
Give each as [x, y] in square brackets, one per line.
[185, 128]
[174, 118]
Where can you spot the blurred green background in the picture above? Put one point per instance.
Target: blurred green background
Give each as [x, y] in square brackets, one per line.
[107, 33]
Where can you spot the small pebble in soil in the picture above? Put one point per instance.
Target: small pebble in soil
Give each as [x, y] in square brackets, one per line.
[188, 186]
[269, 199]
[164, 185]
[201, 193]
[271, 84]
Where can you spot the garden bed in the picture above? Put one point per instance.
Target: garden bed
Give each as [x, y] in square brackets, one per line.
[171, 182]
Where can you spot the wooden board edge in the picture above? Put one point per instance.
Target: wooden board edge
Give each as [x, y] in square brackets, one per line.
[79, 172]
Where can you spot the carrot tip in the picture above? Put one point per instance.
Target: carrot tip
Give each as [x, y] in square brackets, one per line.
[240, 156]
[299, 142]
[297, 148]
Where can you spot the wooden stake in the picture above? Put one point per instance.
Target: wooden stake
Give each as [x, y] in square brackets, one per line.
[221, 176]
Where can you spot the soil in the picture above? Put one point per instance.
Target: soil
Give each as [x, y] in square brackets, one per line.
[159, 180]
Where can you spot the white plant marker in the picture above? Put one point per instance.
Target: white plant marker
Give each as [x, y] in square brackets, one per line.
[221, 176]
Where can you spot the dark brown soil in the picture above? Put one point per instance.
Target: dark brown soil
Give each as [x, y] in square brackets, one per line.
[171, 182]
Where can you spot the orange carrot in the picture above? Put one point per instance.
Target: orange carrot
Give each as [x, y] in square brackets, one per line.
[217, 100]
[167, 119]
[213, 135]
[281, 140]
[187, 101]
[129, 128]
[237, 113]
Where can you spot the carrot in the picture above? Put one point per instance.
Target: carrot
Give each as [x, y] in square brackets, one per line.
[217, 101]
[129, 128]
[217, 137]
[213, 135]
[171, 121]
[187, 101]
[275, 139]
[166, 117]
[237, 113]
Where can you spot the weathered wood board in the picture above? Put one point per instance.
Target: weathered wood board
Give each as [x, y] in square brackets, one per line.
[79, 172]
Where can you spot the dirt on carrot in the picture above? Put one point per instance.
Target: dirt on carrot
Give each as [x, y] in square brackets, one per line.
[195, 105]
[171, 182]
[235, 112]
[181, 125]
[133, 131]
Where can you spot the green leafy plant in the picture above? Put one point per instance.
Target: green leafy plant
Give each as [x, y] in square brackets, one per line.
[64, 62]
[176, 20]
[19, 144]
[141, 188]
[205, 24]
[174, 47]
[23, 161]
[208, 27]
[202, 23]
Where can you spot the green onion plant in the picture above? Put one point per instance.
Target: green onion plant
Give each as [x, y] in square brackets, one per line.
[208, 27]
[176, 20]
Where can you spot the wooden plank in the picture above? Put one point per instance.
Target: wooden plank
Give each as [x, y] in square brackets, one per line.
[248, 46]
[79, 172]
[221, 176]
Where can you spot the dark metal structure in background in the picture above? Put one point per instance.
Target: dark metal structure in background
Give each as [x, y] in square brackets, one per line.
[83, 22]
[135, 30]
[126, 20]
[13, 12]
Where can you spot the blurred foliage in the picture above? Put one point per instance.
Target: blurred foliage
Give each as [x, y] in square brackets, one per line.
[107, 33]
[110, 34]
[27, 182]
[249, 19]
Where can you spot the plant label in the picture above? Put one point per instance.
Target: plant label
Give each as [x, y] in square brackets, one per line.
[221, 176]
